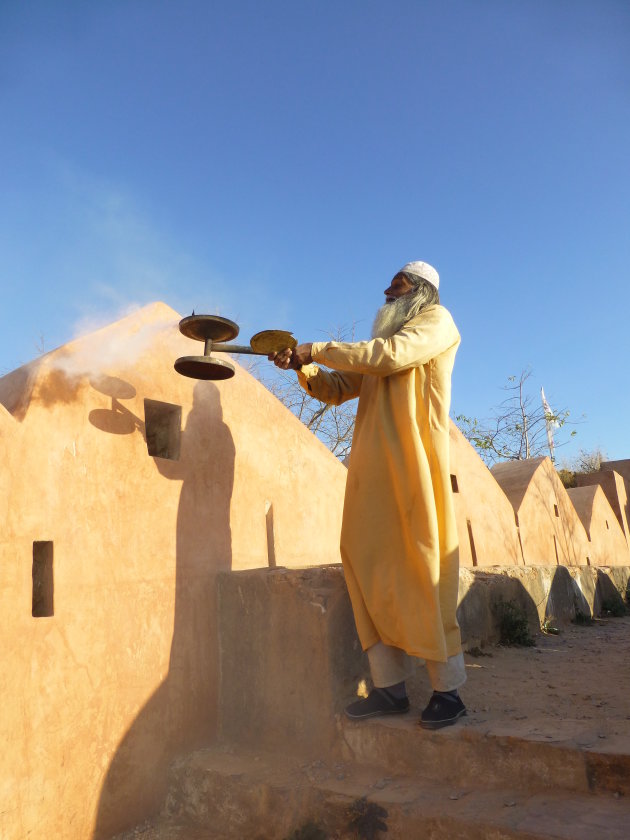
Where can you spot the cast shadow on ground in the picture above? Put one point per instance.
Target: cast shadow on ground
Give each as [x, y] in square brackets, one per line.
[181, 714]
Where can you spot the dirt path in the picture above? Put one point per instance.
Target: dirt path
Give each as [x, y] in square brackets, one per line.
[570, 687]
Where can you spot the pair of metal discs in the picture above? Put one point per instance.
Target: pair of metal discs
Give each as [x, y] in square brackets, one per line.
[214, 331]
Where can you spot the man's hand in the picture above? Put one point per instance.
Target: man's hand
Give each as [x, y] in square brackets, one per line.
[292, 359]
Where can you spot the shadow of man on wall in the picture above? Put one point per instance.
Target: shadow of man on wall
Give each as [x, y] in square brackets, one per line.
[181, 714]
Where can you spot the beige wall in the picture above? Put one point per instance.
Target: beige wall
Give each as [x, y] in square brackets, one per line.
[616, 490]
[485, 518]
[607, 544]
[621, 467]
[99, 697]
[549, 527]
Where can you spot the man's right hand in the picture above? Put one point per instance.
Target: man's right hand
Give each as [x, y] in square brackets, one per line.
[292, 359]
[281, 359]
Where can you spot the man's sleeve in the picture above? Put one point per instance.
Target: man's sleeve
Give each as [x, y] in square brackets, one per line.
[423, 338]
[328, 386]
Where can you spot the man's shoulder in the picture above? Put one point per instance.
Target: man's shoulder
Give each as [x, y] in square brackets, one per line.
[435, 314]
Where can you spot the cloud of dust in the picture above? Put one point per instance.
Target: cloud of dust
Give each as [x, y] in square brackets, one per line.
[101, 347]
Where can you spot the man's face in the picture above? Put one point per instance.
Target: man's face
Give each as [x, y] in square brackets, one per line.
[397, 288]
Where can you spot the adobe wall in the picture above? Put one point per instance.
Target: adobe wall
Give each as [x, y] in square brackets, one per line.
[621, 467]
[550, 530]
[616, 490]
[485, 518]
[607, 543]
[123, 675]
[99, 697]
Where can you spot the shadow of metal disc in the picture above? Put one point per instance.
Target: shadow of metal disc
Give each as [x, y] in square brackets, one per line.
[112, 421]
[112, 386]
[202, 327]
[204, 367]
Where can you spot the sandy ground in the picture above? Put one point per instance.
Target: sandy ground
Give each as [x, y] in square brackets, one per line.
[574, 686]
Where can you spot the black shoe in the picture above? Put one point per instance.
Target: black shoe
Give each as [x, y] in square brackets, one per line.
[378, 702]
[442, 711]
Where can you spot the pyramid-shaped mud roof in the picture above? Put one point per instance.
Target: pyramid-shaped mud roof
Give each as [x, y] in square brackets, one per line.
[514, 477]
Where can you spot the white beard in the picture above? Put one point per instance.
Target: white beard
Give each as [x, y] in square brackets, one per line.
[392, 316]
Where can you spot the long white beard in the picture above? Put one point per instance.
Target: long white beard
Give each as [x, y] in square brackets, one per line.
[392, 316]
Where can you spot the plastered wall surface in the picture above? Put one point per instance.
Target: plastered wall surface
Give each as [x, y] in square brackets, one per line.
[616, 490]
[550, 529]
[485, 518]
[622, 467]
[123, 675]
[98, 697]
[607, 543]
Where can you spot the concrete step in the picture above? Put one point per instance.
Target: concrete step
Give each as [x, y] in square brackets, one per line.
[492, 755]
[218, 794]
[543, 753]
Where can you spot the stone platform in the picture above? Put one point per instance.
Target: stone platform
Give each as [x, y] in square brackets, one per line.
[543, 753]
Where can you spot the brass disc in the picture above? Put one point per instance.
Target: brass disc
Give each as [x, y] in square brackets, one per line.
[272, 341]
[202, 327]
[204, 367]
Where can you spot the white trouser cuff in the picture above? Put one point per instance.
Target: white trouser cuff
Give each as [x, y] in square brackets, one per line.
[390, 665]
[449, 675]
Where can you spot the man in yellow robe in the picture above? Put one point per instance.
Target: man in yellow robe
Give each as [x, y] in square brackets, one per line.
[399, 544]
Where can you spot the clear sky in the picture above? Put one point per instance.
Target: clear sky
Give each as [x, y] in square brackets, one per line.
[277, 162]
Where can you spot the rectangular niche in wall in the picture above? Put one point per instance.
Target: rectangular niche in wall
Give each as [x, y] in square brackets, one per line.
[163, 422]
[43, 581]
[471, 539]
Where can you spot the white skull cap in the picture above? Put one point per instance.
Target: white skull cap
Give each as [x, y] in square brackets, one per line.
[423, 270]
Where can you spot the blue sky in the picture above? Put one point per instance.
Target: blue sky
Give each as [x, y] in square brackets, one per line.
[277, 162]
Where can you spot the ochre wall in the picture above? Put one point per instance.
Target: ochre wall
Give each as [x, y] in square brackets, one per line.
[98, 698]
[616, 491]
[485, 517]
[621, 467]
[549, 527]
[607, 545]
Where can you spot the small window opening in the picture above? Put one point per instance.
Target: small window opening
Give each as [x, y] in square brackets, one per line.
[556, 511]
[607, 525]
[43, 582]
[454, 483]
[588, 561]
[472, 542]
[271, 539]
[163, 423]
[555, 548]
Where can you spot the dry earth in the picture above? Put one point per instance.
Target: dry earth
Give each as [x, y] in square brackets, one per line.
[573, 686]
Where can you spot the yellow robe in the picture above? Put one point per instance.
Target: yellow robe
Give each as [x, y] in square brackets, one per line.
[399, 544]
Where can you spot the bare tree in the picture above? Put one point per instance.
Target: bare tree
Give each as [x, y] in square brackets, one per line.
[333, 424]
[584, 462]
[588, 462]
[518, 427]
